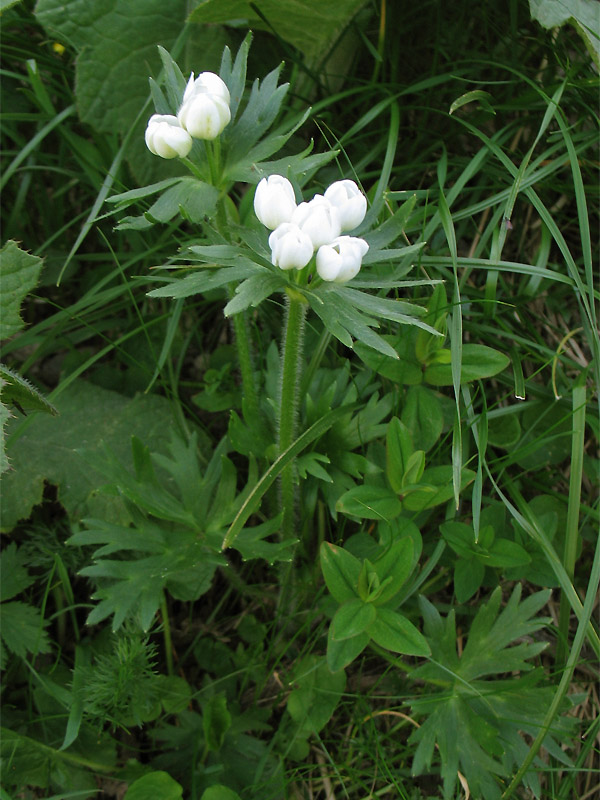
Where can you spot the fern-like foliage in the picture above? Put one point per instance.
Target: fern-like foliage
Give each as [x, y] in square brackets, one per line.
[474, 718]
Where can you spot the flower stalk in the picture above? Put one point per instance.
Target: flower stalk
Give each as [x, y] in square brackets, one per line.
[291, 360]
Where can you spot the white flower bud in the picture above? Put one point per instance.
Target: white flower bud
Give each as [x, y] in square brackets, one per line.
[341, 259]
[274, 201]
[204, 116]
[350, 202]
[166, 138]
[206, 83]
[319, 219]
[290, 247]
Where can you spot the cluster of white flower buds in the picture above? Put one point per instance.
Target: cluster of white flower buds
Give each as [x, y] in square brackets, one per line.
[300, 230]
[204, 114]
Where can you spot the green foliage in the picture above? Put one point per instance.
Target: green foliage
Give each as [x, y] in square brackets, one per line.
[309, 25]
[583, 15]
[154, 784]
[19, 273]
[51, 449]
[491, 712]
[364, 589]
[23, 628]
[258, 673]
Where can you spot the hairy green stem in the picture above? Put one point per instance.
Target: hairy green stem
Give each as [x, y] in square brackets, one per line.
[291, 356]
[164, 612]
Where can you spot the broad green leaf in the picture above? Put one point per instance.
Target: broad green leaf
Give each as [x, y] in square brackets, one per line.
[14, 578]
[422, 415]
[504, 553]
[478, 361]
[369, 502]
[310, 25]
[504, 431]
[396, 563]
[398, 450]
[351, 619]
[154, 785]
[175, 693]
[22, 629]
[468, 577]
[341, 653]
[90, 418]
[216, 721]
[415, 467]
[19, 273]
[396, 633]
[438, 488]
[219, 792]
[341, 571]
[116, 40]
[582, 14]
[403, 371]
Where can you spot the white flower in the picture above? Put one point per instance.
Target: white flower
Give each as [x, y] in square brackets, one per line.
[166, 138]
[341, 259]
[205, 112]
[206, 83]
[274, 201]
[290, 247]
[350, 202]
[319, 219]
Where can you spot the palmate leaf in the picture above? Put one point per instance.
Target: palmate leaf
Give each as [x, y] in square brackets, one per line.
[490, 714]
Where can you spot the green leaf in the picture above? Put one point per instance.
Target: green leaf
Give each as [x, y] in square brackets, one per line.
[405, 370]
[369, 502]
[422, 415]
[175, 693]
[14, 577]
[17, 390]
[478, 361]
[154, 785]
[310, 25]
[191, 198]
[253, 291]
[395, 564]
[398, 449]
[316, 694]
[216, 721]
[396, 633]
[19, 273]
[582, 14]
[22, 629]
[495, 716]
[504, 553]
[341, 571]
[415, 467]
[48, 450]
[351, 619]
[116, 40]
[468, 577]
[219, 792]
[438, 488]
[470, 97]
[341, 653]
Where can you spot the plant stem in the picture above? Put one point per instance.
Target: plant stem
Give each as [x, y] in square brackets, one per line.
[242, 343]
[291, 356]
[164, 612]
